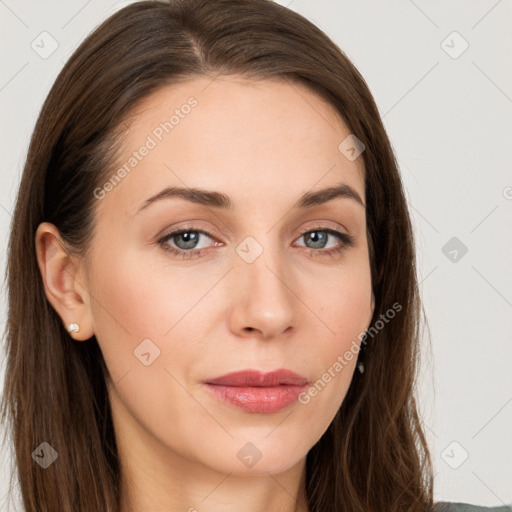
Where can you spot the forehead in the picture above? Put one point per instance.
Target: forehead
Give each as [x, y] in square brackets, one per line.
[251, 139]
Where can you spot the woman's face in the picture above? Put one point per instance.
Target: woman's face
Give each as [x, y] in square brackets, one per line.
[243, 287]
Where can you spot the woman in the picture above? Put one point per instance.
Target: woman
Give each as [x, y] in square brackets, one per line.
[221, 162]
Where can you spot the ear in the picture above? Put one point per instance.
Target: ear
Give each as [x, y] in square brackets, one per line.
[61, 276]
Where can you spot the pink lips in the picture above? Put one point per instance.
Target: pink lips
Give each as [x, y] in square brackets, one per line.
[258, 392]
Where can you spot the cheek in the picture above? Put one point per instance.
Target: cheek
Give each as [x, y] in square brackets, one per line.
[144, 322]
[125, 310]
[342, 300]
[342, 303]
[136, 300]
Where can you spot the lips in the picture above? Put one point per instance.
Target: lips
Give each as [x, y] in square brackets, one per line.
[255, 378]
[258, 392]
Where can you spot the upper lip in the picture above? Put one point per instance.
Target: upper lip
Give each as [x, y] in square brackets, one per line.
[258, 378]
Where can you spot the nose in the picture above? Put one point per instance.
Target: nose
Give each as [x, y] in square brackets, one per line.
[262, 299]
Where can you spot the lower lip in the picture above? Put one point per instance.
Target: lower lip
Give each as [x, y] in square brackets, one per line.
[258, 399]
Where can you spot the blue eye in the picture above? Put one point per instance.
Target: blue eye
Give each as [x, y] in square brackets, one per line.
[319, 237]
[185, 242]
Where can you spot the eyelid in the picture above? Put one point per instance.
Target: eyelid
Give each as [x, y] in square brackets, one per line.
[323, 224]
[189, 226]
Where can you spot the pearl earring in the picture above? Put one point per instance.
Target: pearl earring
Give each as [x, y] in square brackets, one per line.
[74, 327]
[360, 367]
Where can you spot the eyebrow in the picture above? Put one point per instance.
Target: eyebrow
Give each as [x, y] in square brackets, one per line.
[222, 201]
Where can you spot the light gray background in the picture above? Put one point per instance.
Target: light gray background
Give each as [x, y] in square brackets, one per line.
[450, 123]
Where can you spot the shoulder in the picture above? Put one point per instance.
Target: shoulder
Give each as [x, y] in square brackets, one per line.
[445, 506]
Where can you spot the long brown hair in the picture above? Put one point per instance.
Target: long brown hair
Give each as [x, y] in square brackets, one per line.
[374, 456]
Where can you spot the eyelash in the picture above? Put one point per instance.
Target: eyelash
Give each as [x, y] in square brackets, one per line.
[346, 242]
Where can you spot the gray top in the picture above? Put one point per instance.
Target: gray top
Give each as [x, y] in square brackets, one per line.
[445, 506]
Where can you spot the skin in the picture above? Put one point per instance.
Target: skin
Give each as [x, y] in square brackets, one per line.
[264, 147]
